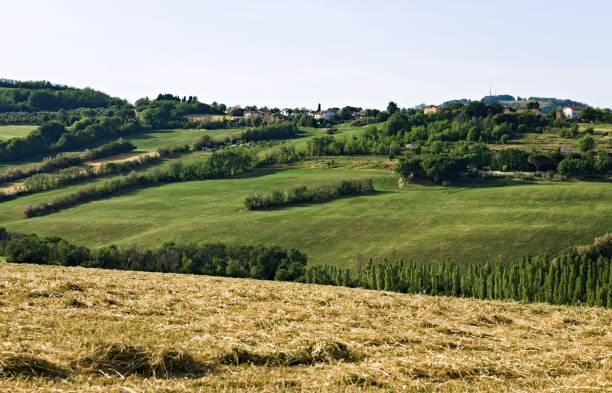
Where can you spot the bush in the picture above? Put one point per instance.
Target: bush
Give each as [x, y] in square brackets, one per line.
[301, 194]
[283, 131]
[510, 160]
[586, 143]
[171, 151]
[109, 149]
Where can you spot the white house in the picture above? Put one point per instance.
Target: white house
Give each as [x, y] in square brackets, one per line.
[326, 115]
[572, 112]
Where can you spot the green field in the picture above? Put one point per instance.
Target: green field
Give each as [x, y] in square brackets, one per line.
[474, 221]
[546, 142]
[8, 132]
[499, 220]
[152, 140]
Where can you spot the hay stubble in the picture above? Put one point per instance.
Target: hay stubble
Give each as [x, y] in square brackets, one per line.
[166, 332]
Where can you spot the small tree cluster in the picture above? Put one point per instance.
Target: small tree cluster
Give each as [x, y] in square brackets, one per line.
[301, 194]
[281, 131]
[110, 149]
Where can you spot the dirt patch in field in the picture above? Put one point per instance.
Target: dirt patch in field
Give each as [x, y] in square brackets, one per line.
[121, 158]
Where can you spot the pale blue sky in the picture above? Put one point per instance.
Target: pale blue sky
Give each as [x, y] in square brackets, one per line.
[299, 53]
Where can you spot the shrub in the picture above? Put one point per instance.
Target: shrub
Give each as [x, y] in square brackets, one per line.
[171, 151]
[301, 194]
[575, 167]
[109, 149]
[586, 143]
[283, 131]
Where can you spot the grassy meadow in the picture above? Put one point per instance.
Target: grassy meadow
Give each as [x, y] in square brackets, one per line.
[15, 131]
[149, 141]
[502, 219]
[152, 140]
[550, 142]
[88, 330]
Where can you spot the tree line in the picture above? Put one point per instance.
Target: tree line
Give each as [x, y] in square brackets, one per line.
[596, 115]
[444, 163]
[224, 163]
[571, 278]
[40, 96]
[567, 279]
[54, 136]
[44, 181]
[281, 131]
[472, 122]
[215, 259]
[68, 160]
[300, 194]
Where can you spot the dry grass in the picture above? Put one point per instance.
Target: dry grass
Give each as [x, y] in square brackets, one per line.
[546, 142]
[119, 158]
[74, 329]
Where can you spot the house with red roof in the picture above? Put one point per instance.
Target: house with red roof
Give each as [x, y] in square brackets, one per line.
[572, 112]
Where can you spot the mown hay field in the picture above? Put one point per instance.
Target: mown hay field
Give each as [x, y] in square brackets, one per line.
[88, 330]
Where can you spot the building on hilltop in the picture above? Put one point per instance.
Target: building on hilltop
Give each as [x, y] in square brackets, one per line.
[572, 112]
[326, 115]
[431, 109]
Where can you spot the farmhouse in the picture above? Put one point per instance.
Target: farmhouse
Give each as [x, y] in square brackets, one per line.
[572, 112]
[431, 109]
[326, 115]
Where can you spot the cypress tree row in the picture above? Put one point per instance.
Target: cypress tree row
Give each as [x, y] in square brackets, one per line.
[568, 279]
[572, 278]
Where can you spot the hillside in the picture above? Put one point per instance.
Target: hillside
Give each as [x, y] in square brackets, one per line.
[95, 330]
[467, 222]
[36, 96]
[505, 186]
[547, 104]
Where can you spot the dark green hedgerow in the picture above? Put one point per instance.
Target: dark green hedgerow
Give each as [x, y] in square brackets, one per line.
[300, 194]
[580, 276]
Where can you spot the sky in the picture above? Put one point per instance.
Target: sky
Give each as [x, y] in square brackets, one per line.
[299, 53]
